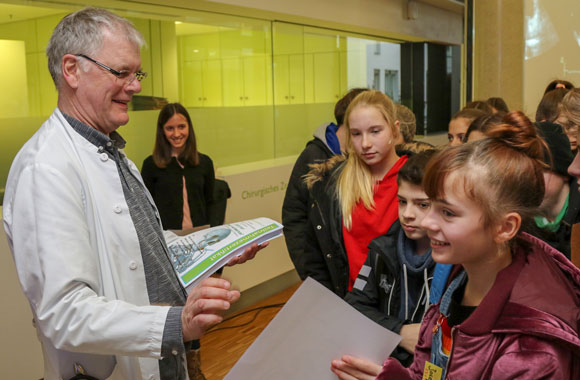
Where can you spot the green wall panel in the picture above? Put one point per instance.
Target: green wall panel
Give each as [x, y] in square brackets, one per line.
[256, 90]
[14, 98]
[144, 27]
[44, 28]
[295, 125]
[229, 135]
[21, 30]
[15, 132]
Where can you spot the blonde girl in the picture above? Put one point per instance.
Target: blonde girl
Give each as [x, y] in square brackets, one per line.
[353, 196]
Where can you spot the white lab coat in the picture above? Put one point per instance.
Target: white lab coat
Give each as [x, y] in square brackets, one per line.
[78, 258]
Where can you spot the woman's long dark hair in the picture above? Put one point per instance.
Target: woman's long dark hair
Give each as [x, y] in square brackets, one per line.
[162, 150]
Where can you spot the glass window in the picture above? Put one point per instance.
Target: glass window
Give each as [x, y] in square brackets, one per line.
[225, 81]
[255, 89]
[313, 69]
[392, 84]
[376, 79]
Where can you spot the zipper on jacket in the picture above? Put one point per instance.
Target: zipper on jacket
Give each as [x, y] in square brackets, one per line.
[320, 212]
[390, 297]
[450, 352]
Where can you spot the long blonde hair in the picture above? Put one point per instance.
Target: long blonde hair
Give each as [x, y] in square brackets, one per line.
[355, 182]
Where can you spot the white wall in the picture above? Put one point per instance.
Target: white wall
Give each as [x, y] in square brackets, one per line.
[20, 352]
[258, 192]
[389, 58]
[552, 50]
[386, 16]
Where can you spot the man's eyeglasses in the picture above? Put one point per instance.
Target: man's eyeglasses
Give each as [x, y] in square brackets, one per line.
[128, 76]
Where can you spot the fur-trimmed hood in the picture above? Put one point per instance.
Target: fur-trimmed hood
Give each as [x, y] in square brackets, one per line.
[318, 171]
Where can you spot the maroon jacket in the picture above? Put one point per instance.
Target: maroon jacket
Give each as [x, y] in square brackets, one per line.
[526, 327]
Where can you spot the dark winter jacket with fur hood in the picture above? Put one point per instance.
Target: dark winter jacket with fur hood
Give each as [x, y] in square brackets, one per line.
[324, 257]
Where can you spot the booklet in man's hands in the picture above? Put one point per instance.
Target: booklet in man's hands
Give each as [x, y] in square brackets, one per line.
[200, 254]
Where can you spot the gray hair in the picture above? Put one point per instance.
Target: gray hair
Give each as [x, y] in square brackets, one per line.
[82, 32]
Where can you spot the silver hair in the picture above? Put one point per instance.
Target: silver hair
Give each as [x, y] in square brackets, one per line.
[82, 32]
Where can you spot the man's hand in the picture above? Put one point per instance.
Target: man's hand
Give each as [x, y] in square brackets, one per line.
[249, 254]
[410, 335]
[353, 368]
[203, 306]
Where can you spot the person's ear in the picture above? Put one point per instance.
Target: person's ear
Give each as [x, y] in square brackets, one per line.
[508, 227]
[71, 70]
[397, 128]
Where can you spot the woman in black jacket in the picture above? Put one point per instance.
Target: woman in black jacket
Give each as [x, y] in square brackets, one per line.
[181, 182]
[180, 179]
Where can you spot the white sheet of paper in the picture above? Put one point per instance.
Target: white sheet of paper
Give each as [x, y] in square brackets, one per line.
[312, 329]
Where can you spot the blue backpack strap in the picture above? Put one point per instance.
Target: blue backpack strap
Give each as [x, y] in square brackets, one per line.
[440, 276]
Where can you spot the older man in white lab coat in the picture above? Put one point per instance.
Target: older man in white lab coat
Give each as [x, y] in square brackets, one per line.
[85, 234]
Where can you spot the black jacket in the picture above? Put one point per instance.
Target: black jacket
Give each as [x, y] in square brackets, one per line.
[166, 188]
[561, 238]
[380, 298]
[297, 199]
[324, 258]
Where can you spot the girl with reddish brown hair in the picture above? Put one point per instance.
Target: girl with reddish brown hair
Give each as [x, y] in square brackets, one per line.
[511, 309]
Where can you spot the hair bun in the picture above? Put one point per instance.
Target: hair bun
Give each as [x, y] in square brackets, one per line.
[518, 132]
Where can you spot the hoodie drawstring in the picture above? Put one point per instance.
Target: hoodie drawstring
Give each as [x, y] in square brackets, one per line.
[426, 277]
[406, 293]
[424, 288]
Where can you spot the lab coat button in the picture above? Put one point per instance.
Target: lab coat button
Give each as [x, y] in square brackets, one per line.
[104, 157]
[132, 265]
[117, 209]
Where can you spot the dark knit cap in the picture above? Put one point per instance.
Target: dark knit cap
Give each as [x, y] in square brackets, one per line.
[559, 145]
